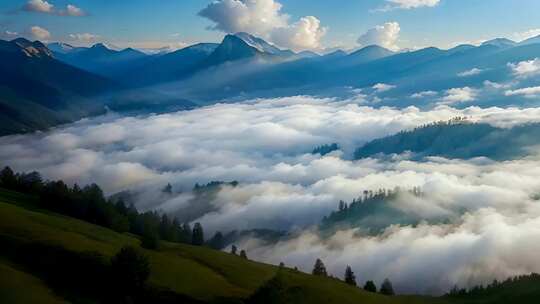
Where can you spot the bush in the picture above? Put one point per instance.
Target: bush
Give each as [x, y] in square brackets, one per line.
[130, 269]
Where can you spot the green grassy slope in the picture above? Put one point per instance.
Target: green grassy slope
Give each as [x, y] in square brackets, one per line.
[13, 280]
[197, 272]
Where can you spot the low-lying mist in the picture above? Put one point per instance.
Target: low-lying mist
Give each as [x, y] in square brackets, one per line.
[491, 212]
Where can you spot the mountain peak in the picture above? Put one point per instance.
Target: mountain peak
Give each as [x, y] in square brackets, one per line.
[100, 46]
[369, 53]
[262, 46]
[34, 49]
[500, 42]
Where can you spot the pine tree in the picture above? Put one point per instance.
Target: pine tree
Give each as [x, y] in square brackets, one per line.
[164, 228]
[8, 179]
[243, 254]
[185, 235]
[197, 238]
[350, 278]
[319, 268]
[233, 249]
[131, 269]
[167, 189]
[387, 288]
[370, 286]
[216, 242]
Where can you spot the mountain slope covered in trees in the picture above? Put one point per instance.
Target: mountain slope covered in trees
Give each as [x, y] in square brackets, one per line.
[457, 139]
[38, 91]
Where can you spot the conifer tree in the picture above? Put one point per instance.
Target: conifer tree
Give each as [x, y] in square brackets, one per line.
[387, 288]
[319, 268]
[370, 286]
[198, 235]
[350, 278]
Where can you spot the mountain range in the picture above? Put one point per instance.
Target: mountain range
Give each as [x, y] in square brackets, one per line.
[38, 91]
[44, 85]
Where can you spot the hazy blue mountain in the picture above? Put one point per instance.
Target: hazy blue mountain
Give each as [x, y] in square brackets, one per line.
[532, 40]
[500, 42]
[64, 48]
[37, 91]
[102, 60]
[172, 66]
[367, 54]
[191, 60]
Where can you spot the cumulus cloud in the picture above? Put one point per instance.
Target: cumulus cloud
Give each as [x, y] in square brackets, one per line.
[304, 34]
[40, 33]
[265, 145]
[383, 87]
[529, 92]
[72, 10]
[42, 6]
[471, 72]
[385, 35]
[459, 95]
[265, 19]
[525, 69]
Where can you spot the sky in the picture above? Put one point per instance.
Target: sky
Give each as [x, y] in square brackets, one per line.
[295, 24]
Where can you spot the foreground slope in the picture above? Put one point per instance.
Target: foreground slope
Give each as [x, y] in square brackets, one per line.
[198, 273]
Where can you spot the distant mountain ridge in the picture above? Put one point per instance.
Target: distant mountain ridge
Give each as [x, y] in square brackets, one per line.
[242, 66]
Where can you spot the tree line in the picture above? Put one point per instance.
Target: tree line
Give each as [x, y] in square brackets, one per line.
[89, 203]
[319, 269]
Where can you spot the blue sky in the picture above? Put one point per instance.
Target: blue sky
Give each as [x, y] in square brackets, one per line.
[146, 23]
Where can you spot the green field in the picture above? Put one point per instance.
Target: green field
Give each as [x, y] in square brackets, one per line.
[200, 273]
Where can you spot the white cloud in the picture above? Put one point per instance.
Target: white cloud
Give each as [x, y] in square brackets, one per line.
[84, 37]
[385, 35]
[424, 94]
[525, 69]
[10, 33]
[264, 18]
[39, 33]
[40, 6]
[383, 87]
[304, 34]
[496, 85]
[529, 92]
[407, 4]
[458, 95]
[72, 10]
[472, 72]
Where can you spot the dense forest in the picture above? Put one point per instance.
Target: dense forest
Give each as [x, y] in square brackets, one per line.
[457, 138]
[90, 204]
